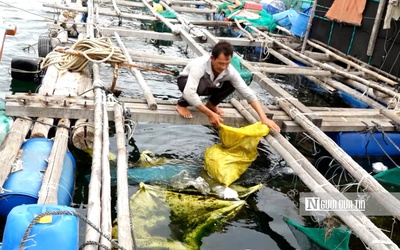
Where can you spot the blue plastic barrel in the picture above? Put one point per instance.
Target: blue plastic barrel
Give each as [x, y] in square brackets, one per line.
[361, 144]
[59, 232]
[299, 27]
[22, 187]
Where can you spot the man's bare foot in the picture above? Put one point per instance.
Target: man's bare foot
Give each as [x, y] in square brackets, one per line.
[216, 109]
[184, 112]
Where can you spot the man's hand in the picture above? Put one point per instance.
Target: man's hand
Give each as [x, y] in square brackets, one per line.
[271, 124]
[215, 119]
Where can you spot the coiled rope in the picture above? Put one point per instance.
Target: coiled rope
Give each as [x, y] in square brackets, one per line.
[89, 50]
[97, 50]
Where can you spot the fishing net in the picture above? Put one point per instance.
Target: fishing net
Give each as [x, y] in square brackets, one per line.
[227, 161]
[165, 219]
[5, 124]
[390, 179]
[246, 74]
[317, 238]
[261, 19]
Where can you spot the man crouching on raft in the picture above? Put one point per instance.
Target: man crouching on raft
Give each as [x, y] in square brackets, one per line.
[215, 77]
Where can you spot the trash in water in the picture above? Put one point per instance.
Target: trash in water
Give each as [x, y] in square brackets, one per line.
[227, 161]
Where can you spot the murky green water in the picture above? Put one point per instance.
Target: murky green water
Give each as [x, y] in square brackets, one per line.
[259, 226]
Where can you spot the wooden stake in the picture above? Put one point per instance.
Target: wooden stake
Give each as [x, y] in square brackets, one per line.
[309, 24]
[375, 28]
[124, 220]
[11, 145]
[139, 77]
[49, 190]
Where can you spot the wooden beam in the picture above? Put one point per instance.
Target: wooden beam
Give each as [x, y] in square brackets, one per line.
[288, 70]
[334, 119]
[139, 77]
[103, 11]
[140, 34]
[51, 181]
[155, 58]
[352, 64]
[319, 56]
[10, 147]
[124, 219]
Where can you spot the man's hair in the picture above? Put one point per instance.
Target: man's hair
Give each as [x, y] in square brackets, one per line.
[222, 47]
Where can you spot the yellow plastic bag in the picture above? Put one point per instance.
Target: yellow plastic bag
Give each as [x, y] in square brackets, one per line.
[227, 161]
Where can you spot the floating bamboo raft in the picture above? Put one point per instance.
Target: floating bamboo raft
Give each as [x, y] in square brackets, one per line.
[322, 68]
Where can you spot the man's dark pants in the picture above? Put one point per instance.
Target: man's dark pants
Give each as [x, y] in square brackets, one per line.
[217, 95]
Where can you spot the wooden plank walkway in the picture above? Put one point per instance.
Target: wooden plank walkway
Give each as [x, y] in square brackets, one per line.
[333, 119]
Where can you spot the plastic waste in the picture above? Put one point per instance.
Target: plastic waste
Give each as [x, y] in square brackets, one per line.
[378, 167]
[227, 161]
[184, 180]
[158, 211]
[226, 192]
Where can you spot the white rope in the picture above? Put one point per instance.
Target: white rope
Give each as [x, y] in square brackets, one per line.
[100, 48]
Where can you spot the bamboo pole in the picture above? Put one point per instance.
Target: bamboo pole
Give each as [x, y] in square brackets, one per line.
[94, 204]
[359, 62]
[351, 76]
[125, 238]
[187, 25]
[157, 59]
[106, 223]
[330, 82]
[51, 180]
[318, 64]
[392, 114]
[116, 8]
[296, 71]
[309, 24]
[151, 102]
[356, 220]
[10, 146]
[375, 28]
[102, 12]
[352, 64]
[365, 179]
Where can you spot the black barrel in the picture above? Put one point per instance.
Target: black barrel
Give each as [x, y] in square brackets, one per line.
[26, 69]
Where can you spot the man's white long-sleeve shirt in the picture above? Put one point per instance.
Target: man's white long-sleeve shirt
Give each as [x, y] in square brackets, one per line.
[199, 69]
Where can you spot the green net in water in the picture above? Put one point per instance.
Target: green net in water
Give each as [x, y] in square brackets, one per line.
[246, 75]
[316, 238]
[390, 179]
[167, 14]
[161, 27]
